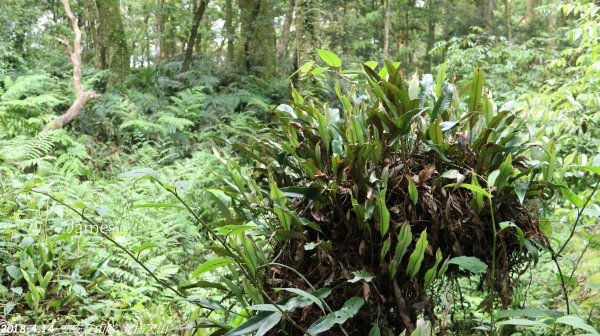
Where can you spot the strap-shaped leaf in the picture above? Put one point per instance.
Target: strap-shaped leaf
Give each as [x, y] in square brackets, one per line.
[404, 240]
[413, 192]
[210, 265]
[476, 90]
[473, 188]
[394, 75]
[256, 322]
[475, 97]
[430, 274]
[279, 205]
[416, 257]
[383, 213]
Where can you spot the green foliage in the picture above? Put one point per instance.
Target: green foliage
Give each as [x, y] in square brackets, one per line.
[25, 101]
[327, 206]
[500, 58]
[317, 158]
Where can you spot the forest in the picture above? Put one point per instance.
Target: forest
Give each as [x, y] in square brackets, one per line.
[300, 167]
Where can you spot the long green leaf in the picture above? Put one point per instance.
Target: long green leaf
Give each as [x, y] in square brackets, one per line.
[476, 90]
[416, 257]
[254, 323]
[404, 239]
[348, 310]
[413, 192]
[473, 188]
[577, 322]
[523, 322]
[306, 295]
[471, 264]
[384, 213]
[210, 265]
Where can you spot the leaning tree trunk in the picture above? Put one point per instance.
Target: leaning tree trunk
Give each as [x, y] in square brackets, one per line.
[189, 50]
[81, 96]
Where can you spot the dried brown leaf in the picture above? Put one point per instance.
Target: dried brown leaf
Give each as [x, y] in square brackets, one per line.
[426, 173]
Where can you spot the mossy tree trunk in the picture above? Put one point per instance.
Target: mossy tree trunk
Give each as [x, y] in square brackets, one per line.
[91, 24]
[306, 30]
[114, 54]
[258, 37]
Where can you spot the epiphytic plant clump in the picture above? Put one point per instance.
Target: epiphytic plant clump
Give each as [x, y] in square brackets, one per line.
[377, 200]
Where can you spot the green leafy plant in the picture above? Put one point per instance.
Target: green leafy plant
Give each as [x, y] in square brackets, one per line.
[360, 182]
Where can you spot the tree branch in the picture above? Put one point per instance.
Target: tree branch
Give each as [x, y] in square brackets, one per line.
[81, 97]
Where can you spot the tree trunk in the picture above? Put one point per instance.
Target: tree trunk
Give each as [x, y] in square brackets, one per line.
[553, 18]
[115, 54]
[507, 17]
[92, 20]
[146, 48]
[258, 37]
[490, 10]
[229, 29]
[406, 36]
[530, 12]
[285, 33]
[486, 12]
[430, 35]
[81, 96]
[19, 41]
[162, 36]
[386, 28]
[306, 31]
[200, 9]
